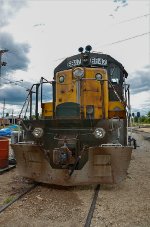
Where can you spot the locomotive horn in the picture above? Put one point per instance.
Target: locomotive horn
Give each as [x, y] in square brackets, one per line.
[80, 49]
[88, 48]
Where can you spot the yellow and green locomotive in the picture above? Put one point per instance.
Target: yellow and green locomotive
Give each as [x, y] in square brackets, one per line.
[81, 135]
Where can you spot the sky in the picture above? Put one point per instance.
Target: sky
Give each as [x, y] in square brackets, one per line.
[40, 34]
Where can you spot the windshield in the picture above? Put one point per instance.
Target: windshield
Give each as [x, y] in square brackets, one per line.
[114, 72]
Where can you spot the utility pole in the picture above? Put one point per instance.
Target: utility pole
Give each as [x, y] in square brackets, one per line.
[2, 63]
[3, 108]
[13, 117]
[3, 113]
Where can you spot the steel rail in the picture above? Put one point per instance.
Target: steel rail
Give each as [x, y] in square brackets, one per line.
[2, 208]
[92, 207]
[10, 167]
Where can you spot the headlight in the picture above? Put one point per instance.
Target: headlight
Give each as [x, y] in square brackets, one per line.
[78, 73]
[61, 79]
[99, 133]
[38, 132]
[98, 77]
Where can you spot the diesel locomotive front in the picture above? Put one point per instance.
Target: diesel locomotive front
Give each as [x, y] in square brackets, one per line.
[81, 135]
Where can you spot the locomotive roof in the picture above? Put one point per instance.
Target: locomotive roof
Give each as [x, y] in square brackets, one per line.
[94, 60]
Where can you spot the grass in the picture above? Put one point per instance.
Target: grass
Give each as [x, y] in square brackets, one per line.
[8, 200]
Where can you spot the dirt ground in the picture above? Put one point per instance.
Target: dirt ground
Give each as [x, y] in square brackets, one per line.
[147, 130]
[11, 185]
[49, 206]
[126, 204]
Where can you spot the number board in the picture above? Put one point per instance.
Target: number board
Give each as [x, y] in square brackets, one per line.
[95, 61]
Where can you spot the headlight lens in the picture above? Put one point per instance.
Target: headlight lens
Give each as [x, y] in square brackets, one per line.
[99, 133]
[61, 79]
[98, 77]
[38, 132]
[78, 73]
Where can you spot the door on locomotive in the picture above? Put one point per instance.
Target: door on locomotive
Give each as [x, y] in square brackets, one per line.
[81, 137]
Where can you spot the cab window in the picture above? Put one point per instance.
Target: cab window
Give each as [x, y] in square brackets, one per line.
[114, 74]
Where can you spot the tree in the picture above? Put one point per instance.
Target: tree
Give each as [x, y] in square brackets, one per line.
[148, 114]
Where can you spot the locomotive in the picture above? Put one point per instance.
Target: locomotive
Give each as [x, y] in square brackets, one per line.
[81, 135]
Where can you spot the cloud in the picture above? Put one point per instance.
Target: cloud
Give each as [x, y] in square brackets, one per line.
[38, 25]
[121, 1]
[15, 97]
[16, 57]
[16, 94]
[142, 106]
[47, 92]
[118, 4]
[140, 80]
[8, 9]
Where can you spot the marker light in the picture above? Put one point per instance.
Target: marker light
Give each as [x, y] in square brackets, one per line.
[61, 79]
[98, 77]
[89, 109]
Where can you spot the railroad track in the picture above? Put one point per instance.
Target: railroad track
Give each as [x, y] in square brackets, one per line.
[90, 212]
[4, 207]
[92, 207]
[10, 167]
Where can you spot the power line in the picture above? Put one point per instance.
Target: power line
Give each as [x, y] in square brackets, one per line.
[121, 22]
[134, 18]
[119, 41]
[14, 83]
[123, 40]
